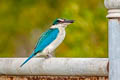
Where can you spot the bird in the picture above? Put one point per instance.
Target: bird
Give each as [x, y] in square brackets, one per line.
[50, 39]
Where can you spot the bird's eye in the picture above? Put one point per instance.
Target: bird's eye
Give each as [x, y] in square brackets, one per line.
[58, 21]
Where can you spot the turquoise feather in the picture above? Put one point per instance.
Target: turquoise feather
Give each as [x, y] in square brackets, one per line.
[45, 39]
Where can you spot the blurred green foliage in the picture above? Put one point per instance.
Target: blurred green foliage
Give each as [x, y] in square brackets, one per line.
[22, 22]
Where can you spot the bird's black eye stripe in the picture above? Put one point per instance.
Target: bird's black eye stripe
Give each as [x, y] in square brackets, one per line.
[59, 21]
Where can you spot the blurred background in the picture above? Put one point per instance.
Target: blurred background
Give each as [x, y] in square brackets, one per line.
[22, 22]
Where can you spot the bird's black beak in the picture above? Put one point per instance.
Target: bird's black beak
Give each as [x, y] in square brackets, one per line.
[68, 21]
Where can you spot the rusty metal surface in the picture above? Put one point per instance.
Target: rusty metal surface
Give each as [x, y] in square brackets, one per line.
[51, 78]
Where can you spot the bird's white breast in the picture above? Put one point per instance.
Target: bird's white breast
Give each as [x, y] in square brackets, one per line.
[60, 37]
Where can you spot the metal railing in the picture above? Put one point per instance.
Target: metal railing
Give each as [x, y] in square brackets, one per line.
[75, 66]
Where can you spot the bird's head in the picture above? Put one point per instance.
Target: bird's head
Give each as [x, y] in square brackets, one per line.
[62, 22]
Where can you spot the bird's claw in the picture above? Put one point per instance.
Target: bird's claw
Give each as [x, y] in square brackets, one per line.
[48, 56]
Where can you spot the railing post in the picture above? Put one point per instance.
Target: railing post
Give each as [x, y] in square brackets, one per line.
[113, 7]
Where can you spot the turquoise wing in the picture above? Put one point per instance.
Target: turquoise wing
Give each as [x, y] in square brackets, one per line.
[45, 39]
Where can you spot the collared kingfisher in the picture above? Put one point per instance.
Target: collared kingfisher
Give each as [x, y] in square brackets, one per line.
[50, 39]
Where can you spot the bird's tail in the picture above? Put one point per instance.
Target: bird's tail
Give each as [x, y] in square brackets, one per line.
[32, 55]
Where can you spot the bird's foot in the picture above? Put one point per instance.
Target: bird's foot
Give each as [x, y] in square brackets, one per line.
[48, 56]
